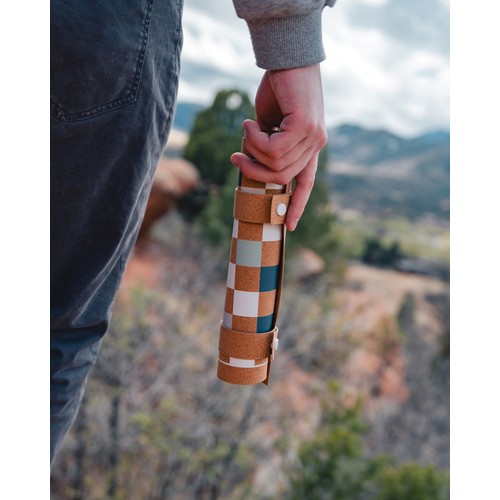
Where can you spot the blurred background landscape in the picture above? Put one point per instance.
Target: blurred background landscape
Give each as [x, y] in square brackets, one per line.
[358, 406]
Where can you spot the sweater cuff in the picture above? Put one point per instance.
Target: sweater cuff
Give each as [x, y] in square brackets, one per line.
[287, 42]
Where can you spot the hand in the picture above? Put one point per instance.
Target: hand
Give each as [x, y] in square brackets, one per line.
[293, 101]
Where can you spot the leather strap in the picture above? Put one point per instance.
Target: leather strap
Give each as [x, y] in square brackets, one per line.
[261, 208]
[241, 376]
[251, 347]
[244, 345]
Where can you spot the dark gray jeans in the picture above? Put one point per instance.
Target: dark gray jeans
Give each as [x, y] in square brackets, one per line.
[114, 73]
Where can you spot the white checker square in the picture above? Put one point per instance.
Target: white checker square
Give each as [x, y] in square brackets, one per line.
[270, 185]
[231, 270]
[253, 190]
[235, 228]
[271, 232]
[242, 363]
[227, 320]
[246, 304]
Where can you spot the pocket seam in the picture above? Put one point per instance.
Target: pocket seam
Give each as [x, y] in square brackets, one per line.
[129, 97]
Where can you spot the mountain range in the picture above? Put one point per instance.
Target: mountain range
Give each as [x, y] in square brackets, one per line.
[381, 173]
[377, 172]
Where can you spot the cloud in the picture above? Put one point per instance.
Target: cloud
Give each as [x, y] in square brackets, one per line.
[387, 61]
[415, 25]
[217, 52]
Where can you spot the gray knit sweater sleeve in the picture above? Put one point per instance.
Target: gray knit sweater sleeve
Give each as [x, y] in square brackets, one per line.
[285, 33]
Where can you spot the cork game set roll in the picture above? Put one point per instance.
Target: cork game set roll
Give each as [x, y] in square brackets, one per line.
[248, 333]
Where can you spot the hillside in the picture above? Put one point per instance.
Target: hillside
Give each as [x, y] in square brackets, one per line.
[368, 343]
[379, 173]
[157, 423]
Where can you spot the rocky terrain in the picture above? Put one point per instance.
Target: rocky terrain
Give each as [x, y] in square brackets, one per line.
[157, 423]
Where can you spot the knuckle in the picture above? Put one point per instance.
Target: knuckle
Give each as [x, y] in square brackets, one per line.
[276, 165]
[274, 154]
[323, 138]
[317, 131]
[282, 178]
[310, 128]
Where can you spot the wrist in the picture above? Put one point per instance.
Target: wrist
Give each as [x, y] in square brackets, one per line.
[298, 71]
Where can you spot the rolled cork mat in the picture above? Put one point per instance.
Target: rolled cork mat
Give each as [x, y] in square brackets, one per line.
[249, 334]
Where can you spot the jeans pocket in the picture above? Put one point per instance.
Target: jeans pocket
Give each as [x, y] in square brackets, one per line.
[97, 55]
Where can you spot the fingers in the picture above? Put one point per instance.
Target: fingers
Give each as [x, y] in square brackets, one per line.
[304, 180]
[260, 172]
[276, 162]
[303, 187]
[293, 101]
[276, 144]
[282, 149]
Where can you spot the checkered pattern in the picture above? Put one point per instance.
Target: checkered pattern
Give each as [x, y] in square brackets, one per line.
[253, 273]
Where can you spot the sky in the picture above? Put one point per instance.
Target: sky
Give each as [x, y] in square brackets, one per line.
[387, 61]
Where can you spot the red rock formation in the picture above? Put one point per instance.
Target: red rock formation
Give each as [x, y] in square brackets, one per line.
[305, 264]
[175, 177]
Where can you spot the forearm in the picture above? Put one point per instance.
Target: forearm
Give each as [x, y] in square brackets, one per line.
[285, 33]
